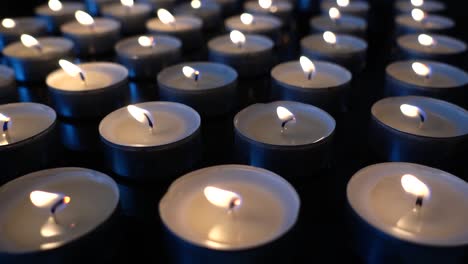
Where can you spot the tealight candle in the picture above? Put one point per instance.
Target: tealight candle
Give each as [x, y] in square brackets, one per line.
[208, 11]
[33, 59]
[152, 141]
[188, 29]
[432, 47]
[132, 17]
[27, 132]
[408, 213]
[249, 55]
[318, 83]
[339, 23]
[145, 56]
[355, 8]
[289, 138]
[419, 129]
[345, 50]
[210, 88]
[233, 212]
[281, 9]
[92, 36]
[58, 215]
[95, 6]
[427, 78]
[420, 22]
[57, 13]
[7, 85]
[90, 90]
[430, 6]
[267, 25]
[12, 29]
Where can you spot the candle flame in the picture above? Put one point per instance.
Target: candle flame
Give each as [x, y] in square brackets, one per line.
[307, 66]
[222, 198]
[417, 3]
[334, 13]
[284, 114]
[413, 111]
[421, 69]
[246, 18]
[145, 41]
[43, 199]
[165, 16]
[29, 41]
[195, 4]
[237, 37]
[342, 3]
[127, 3]
[84, 18]
[72, 69]
[265, 4]
[190, 72]
[418, 14]
[8, 23]
[55, 5]
[4, 118]
[414, 186]
[426, 40]
[141, 115]
[329, 37]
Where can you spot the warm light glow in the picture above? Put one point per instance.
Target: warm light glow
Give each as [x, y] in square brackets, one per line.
[165, 16]
[127, 3]
[426, 40]
[334, 13]
[409, 110]
[29, 41]
[4, 118]
[421, 69]
[265, 4]
[195, 4]
[141, 115]
[329, 37]
[84, 18]
[246, 18]
[284, 114]
[50, 228]
[71, 69]
[414, 186]
[237, 37]
[342, 3]
[47, 199]
[190, 72]
[418, 14]
[8, 23]
[145, 41]
[55, 5]
[222, 198]
[307, 66]
[417, 3]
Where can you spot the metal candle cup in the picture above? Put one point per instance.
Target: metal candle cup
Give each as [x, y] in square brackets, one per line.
[7, 85]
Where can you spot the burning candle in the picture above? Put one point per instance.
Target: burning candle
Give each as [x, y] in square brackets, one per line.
[413, 212]
[338, 23]
[432, 47]
[427, 78]
[56, 214]
[33, 59]
[266, 25]
[418, 129]
[209, 88]
[188, 29]
[57, 13]
[90, 90]
[318, 83]
[230, 212]
[92, 37]
[299, 135]
[430, 6]
[355, 8]
[345, 50]
[7, 85]
[249, 55]
[12, 29]
[208, 11]
[27, 129]
[144, 56]
[152, 141]
[279, 9]
[419, 21]
[132, 16]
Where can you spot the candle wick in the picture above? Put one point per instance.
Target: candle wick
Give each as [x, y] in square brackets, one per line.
[419, 201]
[38, 48]
[5, 126]
[284, 123]
[309, 75]
[83, 78]
[150, 123]
[55, 207]
[196, 76]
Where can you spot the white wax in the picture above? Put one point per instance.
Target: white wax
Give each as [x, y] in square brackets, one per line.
[50, 47]
[443, 44]
[259, 122]
[94, 197]
[430, 22]
[405, 6]
[164, 44]
[98, 75]
[122, 11]
[261, 24]
[253, 44]
[269, 208]
[181, 24]
[68, 8]
[327, 75]
[101, 25]
[212, 75]
[345, 44]
[172, 122]
[376, 194]
[26, 121]
[345, 23]
[442, 75]
[443, 119]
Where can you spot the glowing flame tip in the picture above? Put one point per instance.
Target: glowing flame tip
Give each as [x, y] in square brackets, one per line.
[414, 186]
[8, 23]
[165, 16]
[246, 18]
[329, 37]
[55, 5]
[84, 18]
[222, 198]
